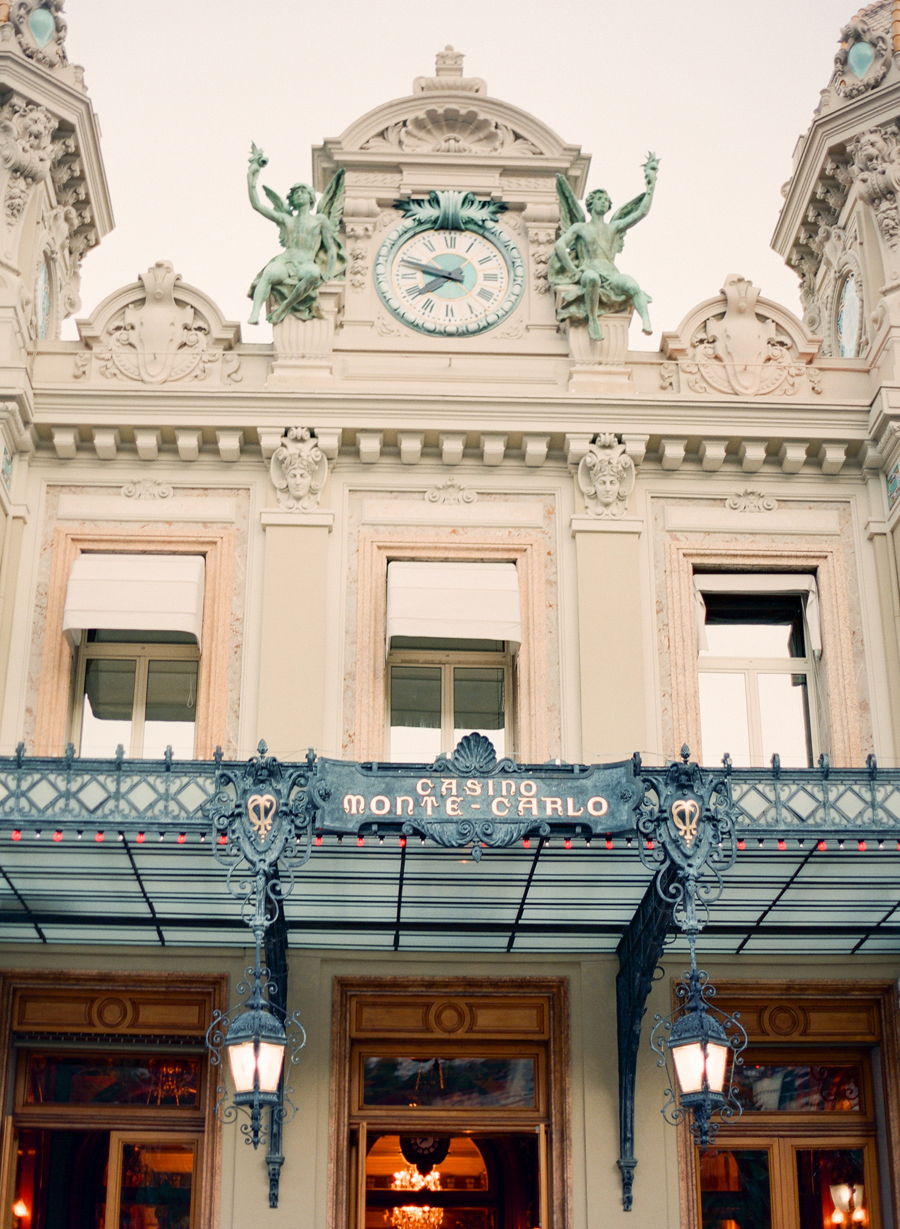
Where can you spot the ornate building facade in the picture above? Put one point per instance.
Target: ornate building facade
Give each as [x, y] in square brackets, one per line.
[456, 554]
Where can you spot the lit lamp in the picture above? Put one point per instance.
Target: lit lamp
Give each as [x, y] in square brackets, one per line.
[700, 1052]
[848, 1204]
[20, 1209]
[255, 1045]
[700, 1040]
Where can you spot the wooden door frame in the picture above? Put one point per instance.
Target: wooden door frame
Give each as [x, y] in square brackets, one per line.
[210, 988]
[876, 999]
[553, 990]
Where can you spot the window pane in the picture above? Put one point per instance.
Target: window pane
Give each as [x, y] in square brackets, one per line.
[156, 1186]
[765, 1088]
[108, 706]
[734, 1189]
[753, 625]
[723, 717]
[171, 708]
[415, 713]
[831, 1184]
[478, 704]
[784, 717]
[453, 1083]
[71, 1079]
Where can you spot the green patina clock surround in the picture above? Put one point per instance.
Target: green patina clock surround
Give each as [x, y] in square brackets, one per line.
[435, 220]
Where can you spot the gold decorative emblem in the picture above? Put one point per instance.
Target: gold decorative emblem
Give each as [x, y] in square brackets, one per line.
[686, 817]
[261, 810]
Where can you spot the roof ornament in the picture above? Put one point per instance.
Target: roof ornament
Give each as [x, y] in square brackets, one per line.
[448, 75]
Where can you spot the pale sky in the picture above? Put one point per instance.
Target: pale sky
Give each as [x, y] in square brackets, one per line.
[720, 91]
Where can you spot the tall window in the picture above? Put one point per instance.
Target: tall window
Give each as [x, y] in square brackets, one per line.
[137, 690]
[441, 690]
[135, 622]
[756, 668]
[452, 633]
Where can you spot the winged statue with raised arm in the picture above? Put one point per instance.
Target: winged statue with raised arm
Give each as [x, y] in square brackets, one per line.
[313, 252]
[583, 262]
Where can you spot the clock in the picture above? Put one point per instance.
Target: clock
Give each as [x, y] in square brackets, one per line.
[448, 281]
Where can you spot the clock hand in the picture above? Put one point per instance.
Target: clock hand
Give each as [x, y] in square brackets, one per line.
[454, 275]
[429, 286]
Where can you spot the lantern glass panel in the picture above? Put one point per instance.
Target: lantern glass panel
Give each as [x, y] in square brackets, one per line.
[242, 1061]
[689, 1066]
[270, 1060]
[716, 1063]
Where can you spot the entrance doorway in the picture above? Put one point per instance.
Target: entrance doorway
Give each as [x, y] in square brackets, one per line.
[451, 1111]
[467, 1181]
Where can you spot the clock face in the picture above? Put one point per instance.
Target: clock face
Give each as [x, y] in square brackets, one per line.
[449, 282]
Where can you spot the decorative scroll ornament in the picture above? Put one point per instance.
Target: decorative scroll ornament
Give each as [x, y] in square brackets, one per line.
[40, 30]
[687, 823]
[606, 477]
[147, 488]
[160, 340]
[450, 210]
[298, 469]
[875, 167]
[751, 501]
[451, 130]
[862, 60]
[451, 492]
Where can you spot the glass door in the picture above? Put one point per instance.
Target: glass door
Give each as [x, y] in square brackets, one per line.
[786, 1183]
[151, 1181]
[459, 1180]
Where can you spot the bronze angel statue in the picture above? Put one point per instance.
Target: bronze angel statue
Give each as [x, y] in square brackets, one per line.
[313, 252]
[583, 261]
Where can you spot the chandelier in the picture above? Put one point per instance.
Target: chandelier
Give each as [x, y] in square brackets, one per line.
[415, 1216]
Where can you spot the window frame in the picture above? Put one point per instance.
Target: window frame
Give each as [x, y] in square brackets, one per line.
[845, 727]
[141, 652]
[752, 667]
[448, 660]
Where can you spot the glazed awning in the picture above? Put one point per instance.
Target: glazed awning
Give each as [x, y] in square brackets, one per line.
[133, 592]
[468, 601]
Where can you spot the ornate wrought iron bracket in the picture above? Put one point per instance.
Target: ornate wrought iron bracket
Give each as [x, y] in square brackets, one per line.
[639, 952]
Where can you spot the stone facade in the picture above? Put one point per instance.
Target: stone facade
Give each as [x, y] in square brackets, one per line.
[752, 441]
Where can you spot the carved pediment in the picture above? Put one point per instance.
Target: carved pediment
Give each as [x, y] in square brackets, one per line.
[159, 331]
[743, 345]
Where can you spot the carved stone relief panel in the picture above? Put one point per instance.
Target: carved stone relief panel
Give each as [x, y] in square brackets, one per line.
[159, 331]
[741, 345]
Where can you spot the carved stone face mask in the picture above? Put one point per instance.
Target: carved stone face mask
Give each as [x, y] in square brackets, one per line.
[299, 475]
[607, 484]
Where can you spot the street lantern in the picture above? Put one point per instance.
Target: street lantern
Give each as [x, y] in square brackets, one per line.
[258, 820]
[705, 1045]
[255, 1045]
[689, 837]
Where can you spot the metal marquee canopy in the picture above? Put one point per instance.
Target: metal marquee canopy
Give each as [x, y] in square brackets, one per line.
[120, 851]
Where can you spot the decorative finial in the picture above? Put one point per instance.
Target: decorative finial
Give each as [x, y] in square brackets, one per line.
[685, 752]
[448, 63]
[448, 75]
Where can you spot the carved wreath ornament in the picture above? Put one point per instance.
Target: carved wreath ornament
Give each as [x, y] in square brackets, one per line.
[606, 477]
[298, 470]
